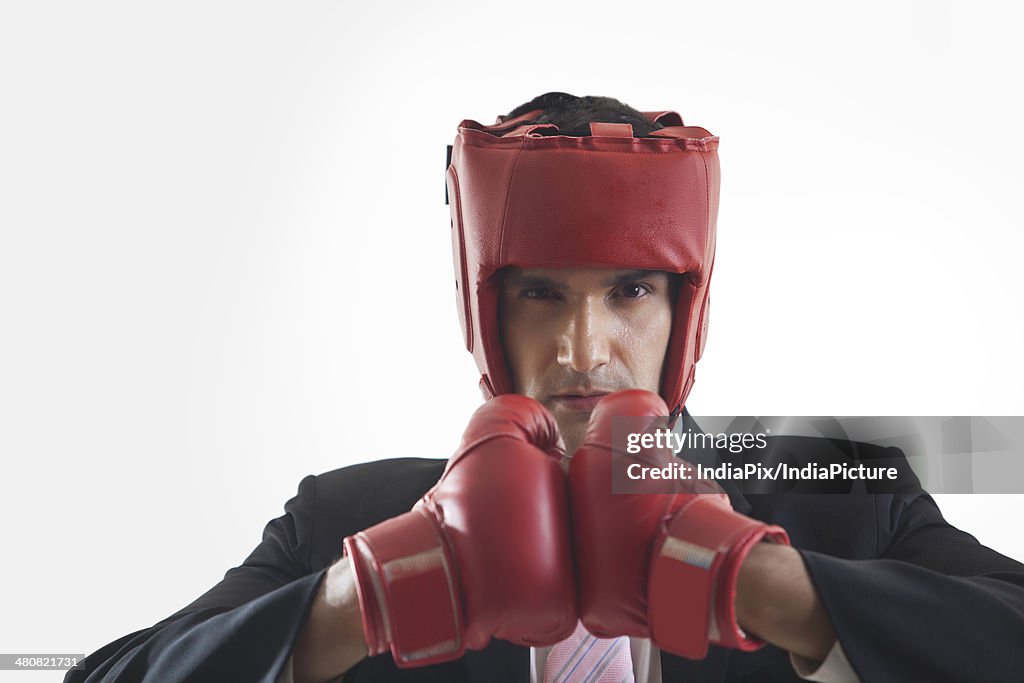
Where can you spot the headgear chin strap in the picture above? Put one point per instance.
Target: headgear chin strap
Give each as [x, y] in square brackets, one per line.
[523, 195]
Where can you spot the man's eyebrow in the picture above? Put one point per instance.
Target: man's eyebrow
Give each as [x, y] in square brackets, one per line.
[524, 281]
[518, 280]
[630, 276]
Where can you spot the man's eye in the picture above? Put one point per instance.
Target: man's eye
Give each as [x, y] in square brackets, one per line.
[536, 293]
[634, 291]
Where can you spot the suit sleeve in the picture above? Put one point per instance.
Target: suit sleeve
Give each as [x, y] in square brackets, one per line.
[243, 629]
[935, 606]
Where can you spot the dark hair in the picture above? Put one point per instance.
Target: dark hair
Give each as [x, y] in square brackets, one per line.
[573, 114]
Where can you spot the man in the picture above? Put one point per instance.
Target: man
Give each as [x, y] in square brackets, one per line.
[584, 234]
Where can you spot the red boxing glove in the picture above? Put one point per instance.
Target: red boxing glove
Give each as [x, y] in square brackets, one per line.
[486, 552]
[656, 565]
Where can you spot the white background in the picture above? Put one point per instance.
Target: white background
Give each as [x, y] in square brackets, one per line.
[225, 257]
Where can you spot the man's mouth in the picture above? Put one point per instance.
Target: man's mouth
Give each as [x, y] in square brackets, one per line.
[583, 401]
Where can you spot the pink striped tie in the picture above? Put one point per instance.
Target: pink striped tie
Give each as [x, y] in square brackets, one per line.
[582, 658]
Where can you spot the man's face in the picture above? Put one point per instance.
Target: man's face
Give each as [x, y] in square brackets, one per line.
[572, 335]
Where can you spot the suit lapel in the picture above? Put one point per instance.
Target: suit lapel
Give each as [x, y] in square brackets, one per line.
[499, 662]
[711, 669]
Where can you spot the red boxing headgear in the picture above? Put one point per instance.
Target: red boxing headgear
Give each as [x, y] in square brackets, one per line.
[522, 195]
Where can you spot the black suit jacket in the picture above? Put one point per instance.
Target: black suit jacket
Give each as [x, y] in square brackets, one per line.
[911, 597]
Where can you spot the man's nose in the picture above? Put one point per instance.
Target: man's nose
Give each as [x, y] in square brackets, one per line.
[584, 341]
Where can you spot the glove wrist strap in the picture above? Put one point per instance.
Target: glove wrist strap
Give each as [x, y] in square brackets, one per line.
[692, 587]
[408, 591]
